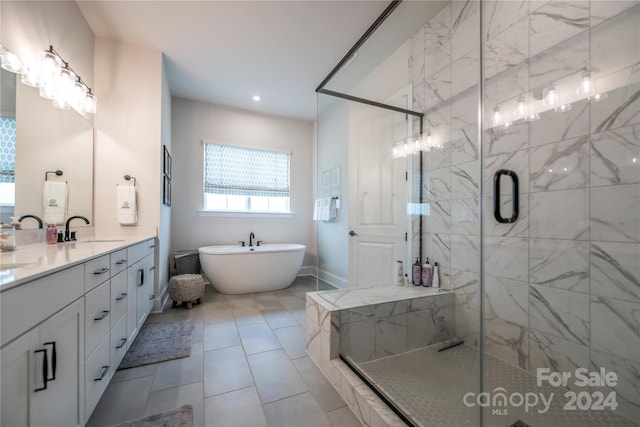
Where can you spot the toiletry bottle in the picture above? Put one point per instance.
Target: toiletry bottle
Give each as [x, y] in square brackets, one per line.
[52, 234]
[15, 223]
[416, 272]
[406, 280]
[399, 273]
[436, 276]
[7, 238]
[426, 273]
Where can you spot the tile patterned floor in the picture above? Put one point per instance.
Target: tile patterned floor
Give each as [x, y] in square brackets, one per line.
[430, 387]
[248, 367]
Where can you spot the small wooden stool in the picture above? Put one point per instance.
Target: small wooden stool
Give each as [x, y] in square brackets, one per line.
[186, 288]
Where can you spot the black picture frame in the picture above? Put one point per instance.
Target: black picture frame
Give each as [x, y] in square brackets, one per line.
[166, 163]
[166, 191]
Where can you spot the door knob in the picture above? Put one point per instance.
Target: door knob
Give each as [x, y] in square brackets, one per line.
[353, 233]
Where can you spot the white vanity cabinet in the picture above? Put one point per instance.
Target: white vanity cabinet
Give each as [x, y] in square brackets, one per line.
[63, 335]
[43, 372]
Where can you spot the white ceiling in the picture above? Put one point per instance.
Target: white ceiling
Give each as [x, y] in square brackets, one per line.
[224, 52]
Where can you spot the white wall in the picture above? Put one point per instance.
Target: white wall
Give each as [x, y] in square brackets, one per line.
[193, 121]
[128, 133]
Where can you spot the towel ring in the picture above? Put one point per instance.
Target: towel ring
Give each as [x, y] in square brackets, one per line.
[129, 178]
[57, 172]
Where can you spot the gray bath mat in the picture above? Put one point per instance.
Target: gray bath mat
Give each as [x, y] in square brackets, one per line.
[158, 342]
[180, 417]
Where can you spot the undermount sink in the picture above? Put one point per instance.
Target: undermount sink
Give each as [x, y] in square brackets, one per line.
[96, 240]
[9, 265]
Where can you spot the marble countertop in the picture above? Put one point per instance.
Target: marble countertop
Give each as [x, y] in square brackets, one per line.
[351, 298]
[31, 262]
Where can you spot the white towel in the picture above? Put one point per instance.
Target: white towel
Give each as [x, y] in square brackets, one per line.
[127, 206]
[325, 213]
[316, 209]
[54, 202]
[333, 210]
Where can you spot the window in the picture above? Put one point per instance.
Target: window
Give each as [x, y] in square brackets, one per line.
[239, 179]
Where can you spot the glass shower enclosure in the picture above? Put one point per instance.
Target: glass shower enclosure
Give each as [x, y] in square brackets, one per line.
[500, 139]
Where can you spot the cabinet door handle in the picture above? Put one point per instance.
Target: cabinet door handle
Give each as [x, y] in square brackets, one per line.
[101, 271]
[45, 369]
[121, 296]
[105, 370]
[122, 342]
[151, 297]
[54, 361]
[141, 278]
[104, 314]
[120, 262]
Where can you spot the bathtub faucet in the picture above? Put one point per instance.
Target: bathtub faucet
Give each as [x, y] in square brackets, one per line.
[251, 237]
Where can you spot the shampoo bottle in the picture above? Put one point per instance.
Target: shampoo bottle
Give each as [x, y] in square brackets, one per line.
[399, 273]
[426, 273]
[436, 276]
[416, 272]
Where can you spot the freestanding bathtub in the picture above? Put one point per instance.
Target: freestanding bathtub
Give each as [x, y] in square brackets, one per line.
[243, 270]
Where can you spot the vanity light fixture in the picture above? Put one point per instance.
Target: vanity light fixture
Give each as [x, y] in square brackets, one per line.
[54, 78]
[497, 116]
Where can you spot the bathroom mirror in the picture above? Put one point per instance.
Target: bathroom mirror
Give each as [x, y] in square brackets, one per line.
[46, 139]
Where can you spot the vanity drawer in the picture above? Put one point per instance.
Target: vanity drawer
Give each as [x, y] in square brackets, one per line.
[96, 271]
[118, 343]
[97, 312]
[118, 261]
[24, 306]
[136, 252]
[97, 373]
[119, 297]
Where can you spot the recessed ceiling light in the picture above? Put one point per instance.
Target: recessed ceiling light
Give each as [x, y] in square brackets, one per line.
[256, 98]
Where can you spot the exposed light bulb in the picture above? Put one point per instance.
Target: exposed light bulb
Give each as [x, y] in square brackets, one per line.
[29, 77]
[256, 98]
[497, 117]
[586, 85]
[90, 103]
[521, 107]
[550, 97]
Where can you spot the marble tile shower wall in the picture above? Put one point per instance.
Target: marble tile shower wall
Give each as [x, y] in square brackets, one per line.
[562, 284]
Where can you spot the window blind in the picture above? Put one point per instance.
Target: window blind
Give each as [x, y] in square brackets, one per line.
[7, 149]
[232, 170]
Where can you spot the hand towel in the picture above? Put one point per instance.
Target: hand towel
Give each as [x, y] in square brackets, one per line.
[54, 202]
[316, 209]
[333, 210]
[326, 203]
[127, 205]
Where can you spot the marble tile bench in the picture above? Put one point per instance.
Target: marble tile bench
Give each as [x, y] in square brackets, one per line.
[383, 321]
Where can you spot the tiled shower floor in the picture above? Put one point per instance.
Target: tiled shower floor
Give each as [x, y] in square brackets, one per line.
[429, 386]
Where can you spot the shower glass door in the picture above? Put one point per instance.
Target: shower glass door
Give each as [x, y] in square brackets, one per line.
[561, 232]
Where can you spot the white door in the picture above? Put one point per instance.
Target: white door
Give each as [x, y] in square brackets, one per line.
[377, 196]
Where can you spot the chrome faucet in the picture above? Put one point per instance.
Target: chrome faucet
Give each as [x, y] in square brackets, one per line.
[251, 237]
[66, 226]
[37, 218]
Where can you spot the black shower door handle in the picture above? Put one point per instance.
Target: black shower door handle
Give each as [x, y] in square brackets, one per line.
[515, 196]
